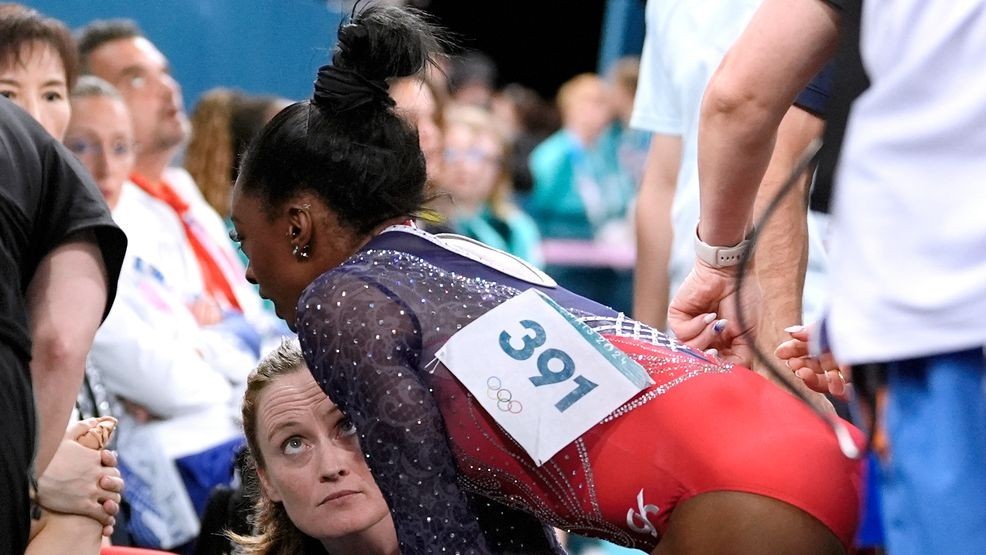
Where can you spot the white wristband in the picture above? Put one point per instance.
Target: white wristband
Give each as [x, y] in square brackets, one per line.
[719, 257]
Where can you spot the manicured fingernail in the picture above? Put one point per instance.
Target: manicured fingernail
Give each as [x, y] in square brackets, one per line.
[719, 326]
[794, 329]
[709, 318]
[712, 352]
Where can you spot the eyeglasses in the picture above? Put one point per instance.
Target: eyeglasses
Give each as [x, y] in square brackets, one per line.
[470, 155]
[83, 148]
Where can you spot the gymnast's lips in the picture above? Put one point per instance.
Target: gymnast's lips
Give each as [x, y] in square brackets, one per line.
[334, 496]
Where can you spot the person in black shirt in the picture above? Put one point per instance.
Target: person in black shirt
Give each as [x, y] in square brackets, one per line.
[60, 256]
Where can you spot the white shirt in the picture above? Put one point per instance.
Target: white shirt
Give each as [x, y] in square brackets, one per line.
[685, 43]
[265, 323]
[908, 248]
[150, 350]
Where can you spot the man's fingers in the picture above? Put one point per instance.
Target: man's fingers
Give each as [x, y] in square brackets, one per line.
[837, 383]
[805, 362]
[76, 429]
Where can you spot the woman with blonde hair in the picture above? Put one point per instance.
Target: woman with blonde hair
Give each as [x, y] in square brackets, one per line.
[314, 492]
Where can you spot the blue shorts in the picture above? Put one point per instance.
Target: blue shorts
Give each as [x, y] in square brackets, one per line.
[934, 481]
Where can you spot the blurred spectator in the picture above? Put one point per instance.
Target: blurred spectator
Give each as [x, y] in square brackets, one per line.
[179, 381]
[634, 143]
[472, 79]
[476, 177]
[223, 124]
[214, 284]
[581, 197]
[418, 102]
[528, 120]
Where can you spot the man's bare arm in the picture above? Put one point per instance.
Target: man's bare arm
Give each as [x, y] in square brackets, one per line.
[654, 230]
[786, 43]
[66, 300]
[781, 257]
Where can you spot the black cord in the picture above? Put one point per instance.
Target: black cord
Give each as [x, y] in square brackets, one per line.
[805, 161]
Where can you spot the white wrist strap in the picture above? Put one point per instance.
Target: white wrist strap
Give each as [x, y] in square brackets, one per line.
[719, 257]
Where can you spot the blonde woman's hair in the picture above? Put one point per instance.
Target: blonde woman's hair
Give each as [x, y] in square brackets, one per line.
[273, 531]
[569, 88]
[223, 124]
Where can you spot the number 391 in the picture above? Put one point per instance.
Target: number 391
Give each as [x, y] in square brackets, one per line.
[547, 376]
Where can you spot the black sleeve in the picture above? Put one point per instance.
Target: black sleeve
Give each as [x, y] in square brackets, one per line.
[850, 82]
[45, 196]
[71, 202]
[815, 97]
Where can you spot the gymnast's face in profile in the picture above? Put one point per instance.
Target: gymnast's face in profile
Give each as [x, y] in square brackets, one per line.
[313, 464]
[289, 246]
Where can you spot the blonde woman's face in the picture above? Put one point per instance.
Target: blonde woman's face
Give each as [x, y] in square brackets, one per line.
[473, 164]
[313, 463]
[35, 80]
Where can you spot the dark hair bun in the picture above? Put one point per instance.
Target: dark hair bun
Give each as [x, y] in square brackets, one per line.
[383, 42]
[347, 145]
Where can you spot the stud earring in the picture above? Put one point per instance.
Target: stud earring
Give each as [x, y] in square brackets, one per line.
[301, 253]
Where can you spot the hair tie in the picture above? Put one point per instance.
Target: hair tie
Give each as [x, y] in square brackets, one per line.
[341, 89]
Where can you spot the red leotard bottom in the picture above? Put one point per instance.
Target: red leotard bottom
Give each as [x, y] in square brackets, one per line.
[703, 431]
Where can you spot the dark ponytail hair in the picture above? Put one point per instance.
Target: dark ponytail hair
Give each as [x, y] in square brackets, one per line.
[346, 145]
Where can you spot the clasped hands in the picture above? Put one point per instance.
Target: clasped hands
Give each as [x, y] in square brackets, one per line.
[83, 477]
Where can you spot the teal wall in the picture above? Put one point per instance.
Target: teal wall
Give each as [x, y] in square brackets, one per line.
[623, 32]
[260, 46]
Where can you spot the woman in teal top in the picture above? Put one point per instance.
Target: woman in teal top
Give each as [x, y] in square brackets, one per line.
[477, 179]
[582, 195]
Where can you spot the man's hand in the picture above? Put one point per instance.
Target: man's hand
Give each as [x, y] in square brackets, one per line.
[703, 313]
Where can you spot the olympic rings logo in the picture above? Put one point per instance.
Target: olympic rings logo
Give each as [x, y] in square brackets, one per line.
[503, 397]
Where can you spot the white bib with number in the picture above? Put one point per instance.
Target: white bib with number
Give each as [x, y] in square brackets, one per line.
[545, 377]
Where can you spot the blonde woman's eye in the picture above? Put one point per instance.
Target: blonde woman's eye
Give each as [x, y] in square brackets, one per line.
[293, 446]
[346, 427]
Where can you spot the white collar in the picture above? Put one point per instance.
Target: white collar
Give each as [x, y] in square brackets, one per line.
[481, 253]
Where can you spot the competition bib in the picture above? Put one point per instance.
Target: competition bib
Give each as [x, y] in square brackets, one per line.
[543, 376]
